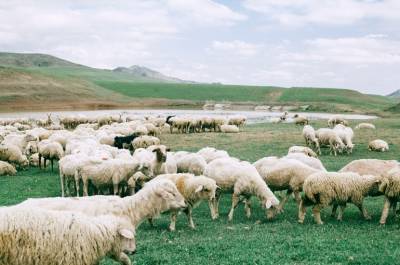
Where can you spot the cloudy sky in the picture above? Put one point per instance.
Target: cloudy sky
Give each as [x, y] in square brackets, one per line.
[323, 43]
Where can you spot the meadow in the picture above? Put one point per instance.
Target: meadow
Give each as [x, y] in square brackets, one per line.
[254, 240]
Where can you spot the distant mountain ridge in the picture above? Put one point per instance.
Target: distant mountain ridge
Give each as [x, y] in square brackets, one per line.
[395, 94]
[33, 60]
[144, 72]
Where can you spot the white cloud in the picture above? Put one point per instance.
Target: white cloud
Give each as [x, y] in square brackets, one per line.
[338, 12]
[237, 47]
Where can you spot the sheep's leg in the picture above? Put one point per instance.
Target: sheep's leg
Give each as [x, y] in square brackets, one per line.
[173, 221]
[317, 214]
[302, 212]
[151, 222]
[364, 211]
[394, 207]
[51, 161]
[283, 201]
[44, 163]
[124, 259]
[40, 161]
[334, 208]
[235, 202]
[62, 179]
[115, 189]
[77, 187]
[188, 212]
[85, 187]
[342, 207]
[214, 206]
[247, 206]
[385, 211]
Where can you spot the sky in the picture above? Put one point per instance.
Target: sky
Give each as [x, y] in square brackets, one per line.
[351, 44]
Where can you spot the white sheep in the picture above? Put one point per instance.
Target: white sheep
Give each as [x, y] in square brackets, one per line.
[300, 119]
[191, 163]
[49, 151]
[374, 167]
[329, 137]
[326, 188]
[302, 149]
[241, 178]
[7, 169]
[390, 187]
[365, 125]
[337, 119]
[194, 189]
[38, 236]
[310, 138]
[12, 154]
[210, 154]
[225, 128]
[378, 145]
[346, 134]
[309, 161]
[145, 141]
[153, 199]
[238, 120]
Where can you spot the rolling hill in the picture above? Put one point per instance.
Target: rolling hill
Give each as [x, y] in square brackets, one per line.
[45, 82]
[395, 94]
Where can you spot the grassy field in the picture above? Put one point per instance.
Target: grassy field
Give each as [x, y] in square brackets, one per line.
[249, 241]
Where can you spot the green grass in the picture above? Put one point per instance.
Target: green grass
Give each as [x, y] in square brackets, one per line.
[247, 241]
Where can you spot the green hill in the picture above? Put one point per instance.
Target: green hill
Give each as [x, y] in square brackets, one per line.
[28, 79]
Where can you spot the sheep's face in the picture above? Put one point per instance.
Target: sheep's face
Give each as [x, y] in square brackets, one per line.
[172, 199]
[30, 138]
[161, 154]
[270, 202]
[128, 240]
[206, 190]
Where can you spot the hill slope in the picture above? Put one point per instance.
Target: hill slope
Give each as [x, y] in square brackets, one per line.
[395, 94]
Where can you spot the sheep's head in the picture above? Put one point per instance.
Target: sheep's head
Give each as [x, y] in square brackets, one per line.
[206, 188]
[161, 153]
[30, 138]
[128, 241]
[170, 196]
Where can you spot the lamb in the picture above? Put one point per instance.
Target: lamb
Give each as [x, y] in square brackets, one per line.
[162, 162]
[310, 138]
[300, 119]
[241, 178]
[325, 188]
[286, 174]
[7, 169]
[374, 167]
[305, 159]
[378, 145]
[302, 149]
[225, 128]
[37, 236]
[13, 154]
[390, 187]
[191, 163]
[365, 125]
[194, 189]
[121, 141]
[152, 200]
[145, 141]
[49, 151]
[346, 134]
[330, 138]
[210, 154]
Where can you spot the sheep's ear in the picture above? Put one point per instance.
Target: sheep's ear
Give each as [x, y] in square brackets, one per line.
[126, 233]
[268, 204]
[156, 150]
[199, 188]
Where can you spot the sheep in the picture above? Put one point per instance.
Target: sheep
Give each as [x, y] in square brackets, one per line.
[21, 141]
[191, 163]
[225, 128]
[7, 169]
[300, 119]
[34, 160]
[283, 116]
[12, 154]
[121, 141]
[390, 187]
[378, 145]
[49, 151]
[237, 120]
[266, 162]
[325, 188]
[330, 138]
[153, 199]
[302, 149]
[365, 125]
[241, 178]
[286, 174]
[38, 236]
[210, 154]
[374, 167]
[337, 119]
[162, 163]
[151, 129]
[194, 189]
[305, 159]
[275, 120]
[346, 134]
[145, 141]
[310, 138]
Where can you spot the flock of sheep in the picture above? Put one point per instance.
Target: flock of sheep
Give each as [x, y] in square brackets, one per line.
[140, 178]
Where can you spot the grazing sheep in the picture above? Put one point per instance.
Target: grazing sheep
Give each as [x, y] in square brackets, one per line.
[346, 134]
[152, 200]
[374, 167]
[378, 145]
[194, 189]
[286, 174]
[365, 125]
[266, 162]
[13, 155]
[310, 138]
[191, 163]
[225, 128]
[38, 236]
[237, 120]
[7, 169]
[210, 154]
[121, 141]
[337, 119]
[49, 151]
[325, 188]
[242, 179]
[300, 119]
[302, 149]
[390, 187]
[309, 161]
[145, 141]
[329, 137]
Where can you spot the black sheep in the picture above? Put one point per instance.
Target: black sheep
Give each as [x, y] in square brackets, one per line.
[119, 141]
